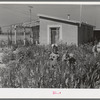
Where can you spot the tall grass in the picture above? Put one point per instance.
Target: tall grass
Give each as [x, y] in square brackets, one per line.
[30, 68]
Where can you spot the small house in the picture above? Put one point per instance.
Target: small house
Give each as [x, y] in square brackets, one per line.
[55, 30]
[50, 30]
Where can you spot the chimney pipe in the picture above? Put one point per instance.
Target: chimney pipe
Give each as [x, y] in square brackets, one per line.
[68, 16]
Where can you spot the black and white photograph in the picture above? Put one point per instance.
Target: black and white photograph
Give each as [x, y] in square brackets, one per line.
[50, 46]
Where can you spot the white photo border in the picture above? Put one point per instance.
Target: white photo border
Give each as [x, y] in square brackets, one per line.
[48, 93]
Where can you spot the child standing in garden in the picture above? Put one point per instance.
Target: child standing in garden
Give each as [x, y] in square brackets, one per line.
[65, 56]
[54, 66]
[69, 59]
[54, 56]
[69, 62]
[65, 59]
[94, 50]
[98, 47]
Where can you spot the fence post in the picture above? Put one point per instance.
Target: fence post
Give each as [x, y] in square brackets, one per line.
[24, 36]
[11, 40]
[8, 31]
[15, 34]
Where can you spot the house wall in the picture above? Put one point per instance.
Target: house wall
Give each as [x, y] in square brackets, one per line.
[69, 32]
[85, 34]
[96, 34]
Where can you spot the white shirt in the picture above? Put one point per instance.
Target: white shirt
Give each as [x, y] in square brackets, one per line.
[54, 58]
[98, 47]
[1, 55]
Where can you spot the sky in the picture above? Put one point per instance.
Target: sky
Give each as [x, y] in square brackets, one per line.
[17, 13]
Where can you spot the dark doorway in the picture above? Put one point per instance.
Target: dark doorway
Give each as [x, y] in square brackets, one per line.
[35, 30]
[54, 35]
[97, 35]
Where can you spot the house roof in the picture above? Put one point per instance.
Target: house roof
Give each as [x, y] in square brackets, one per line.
[96, 29]
[73, 22]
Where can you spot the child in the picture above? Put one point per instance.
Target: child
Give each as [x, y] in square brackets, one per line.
[94, 50]
[98, 47]
[54, 56]
[72, 62]
[65, 56]
[71, 59]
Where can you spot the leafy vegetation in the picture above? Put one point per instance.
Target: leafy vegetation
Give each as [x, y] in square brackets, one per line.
[30, 67]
